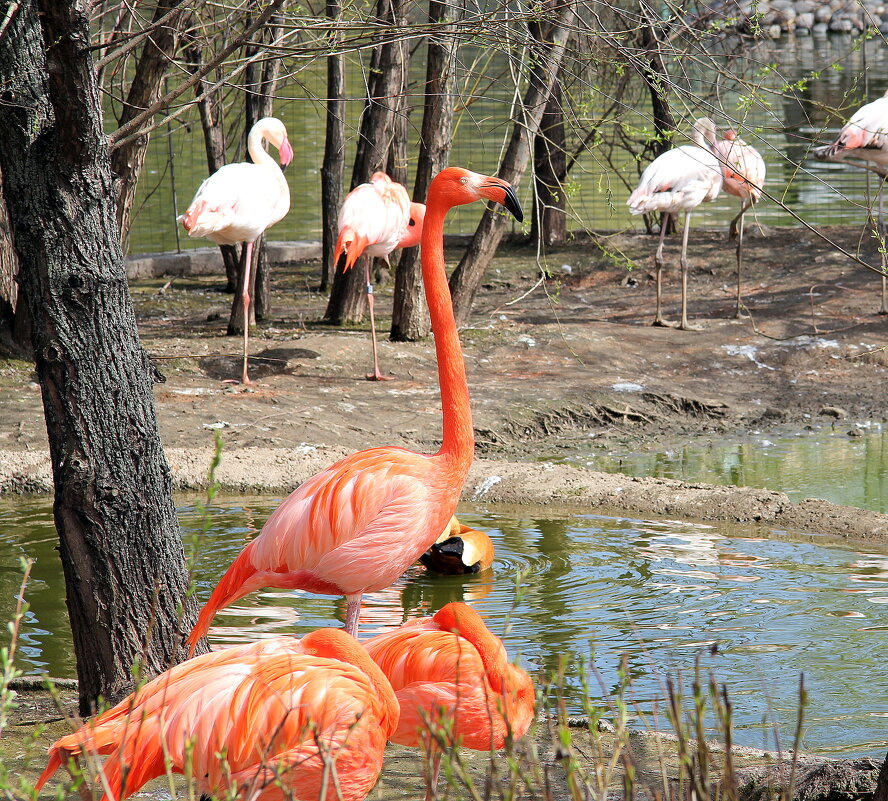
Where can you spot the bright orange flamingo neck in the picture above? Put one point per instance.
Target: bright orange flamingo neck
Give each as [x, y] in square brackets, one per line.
[459, 440]
[464, 620]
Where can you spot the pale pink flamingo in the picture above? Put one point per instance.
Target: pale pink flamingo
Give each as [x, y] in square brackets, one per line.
[358, 525]
[743, 175]
[375, 219]
[238, 202]
[676, 181]
[459, 550]
[864, 139]
[453, 678]
[278, 718]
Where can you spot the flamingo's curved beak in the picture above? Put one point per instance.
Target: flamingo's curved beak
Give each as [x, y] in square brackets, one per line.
[508, 198]
[286, 153]
[511, 203]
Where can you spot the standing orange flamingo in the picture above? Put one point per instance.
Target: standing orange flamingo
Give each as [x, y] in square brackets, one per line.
[375, 219]
[238, 202]
[864, 140]
[274, 719]
[358, 525]
[743, 175]
[679, 180]
[451, 674]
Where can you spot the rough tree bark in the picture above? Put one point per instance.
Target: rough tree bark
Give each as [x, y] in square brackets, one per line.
[333, 168]
[410, 317]
[549, 53]
[124, 566]
[549, 220]
[347, 296]
[261, 80]
[212, 121]
[127, 159]
[15, 320]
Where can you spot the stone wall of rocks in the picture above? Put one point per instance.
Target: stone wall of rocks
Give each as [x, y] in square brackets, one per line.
[806, 17]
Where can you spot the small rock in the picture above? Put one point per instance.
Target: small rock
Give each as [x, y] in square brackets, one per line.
[775, 31]
[833, 411]
[855, 432]
[820, 29]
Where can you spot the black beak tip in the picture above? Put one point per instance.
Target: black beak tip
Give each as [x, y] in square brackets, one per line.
[512, 204]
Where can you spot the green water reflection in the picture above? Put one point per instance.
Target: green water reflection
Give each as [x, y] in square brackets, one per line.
[593, 589]
[822, 463]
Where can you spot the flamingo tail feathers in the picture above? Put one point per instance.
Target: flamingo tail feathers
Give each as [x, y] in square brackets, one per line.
[233, 585]
[351, 244]
[55, 762]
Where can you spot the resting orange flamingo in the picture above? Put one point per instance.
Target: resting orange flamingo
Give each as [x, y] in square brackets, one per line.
[358, 525]
[743, 175]
[864, 139]
[259, 721]
[238, 202]
[451, 674]
[676, 181]
[459, 550]
[375, 219]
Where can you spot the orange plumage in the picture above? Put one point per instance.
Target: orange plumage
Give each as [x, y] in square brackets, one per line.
[452, 665]
[459, 550]
[269, 708]
[358, 525]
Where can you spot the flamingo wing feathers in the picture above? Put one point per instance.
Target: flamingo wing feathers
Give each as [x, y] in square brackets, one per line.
[743, 168]
[678, 180]
[241, 717]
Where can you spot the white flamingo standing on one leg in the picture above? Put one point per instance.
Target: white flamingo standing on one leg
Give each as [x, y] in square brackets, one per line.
[743, 175]
[864, 139]
[238, 202]
[676, 181]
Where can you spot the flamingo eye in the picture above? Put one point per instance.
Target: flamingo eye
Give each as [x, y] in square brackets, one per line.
[464, 180]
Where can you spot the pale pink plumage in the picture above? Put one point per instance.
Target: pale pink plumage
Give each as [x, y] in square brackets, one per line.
[376, 218]
[679, 180]
[450, 669]
[743, 170]
[232, 720]
[238, 202]
[359, 524]
[864, 136]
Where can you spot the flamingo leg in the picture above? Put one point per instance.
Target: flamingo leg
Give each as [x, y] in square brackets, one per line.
[883, 309]
[658, 263]
[352, 613]
[245, 297]
[737, 226]
[375, 375]
[684, 325]
[432, 789]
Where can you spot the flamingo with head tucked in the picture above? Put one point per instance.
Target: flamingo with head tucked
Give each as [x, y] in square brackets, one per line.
[375, 219]
[676, 181]
[358, 525]
[278, 718]
[238, 202]
[459, 550]
[453, 678]
[743, 175]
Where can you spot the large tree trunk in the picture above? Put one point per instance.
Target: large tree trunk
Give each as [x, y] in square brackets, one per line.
[333, 167]
[122, 556]
[261, 80]
[410, 317]
[550, 50]
[212, 121]
[549, 220]
[128, 158]
[347, 297]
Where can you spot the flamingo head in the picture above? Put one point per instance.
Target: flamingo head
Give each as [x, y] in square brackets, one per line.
[703, 132]
[274, 131]
[414, 227]
[730, 135]
[459, 186]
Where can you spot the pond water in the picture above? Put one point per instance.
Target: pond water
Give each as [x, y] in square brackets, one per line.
[591, 589]
[845, 463]
[780, 104]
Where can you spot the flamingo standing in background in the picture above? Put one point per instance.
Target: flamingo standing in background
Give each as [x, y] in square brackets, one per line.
[375, 219]
[260, 721]
[676, 181]
[358, 525]
[743, 175]
[459, 550]
[238, 202]
[451, 674]
[864, 139]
